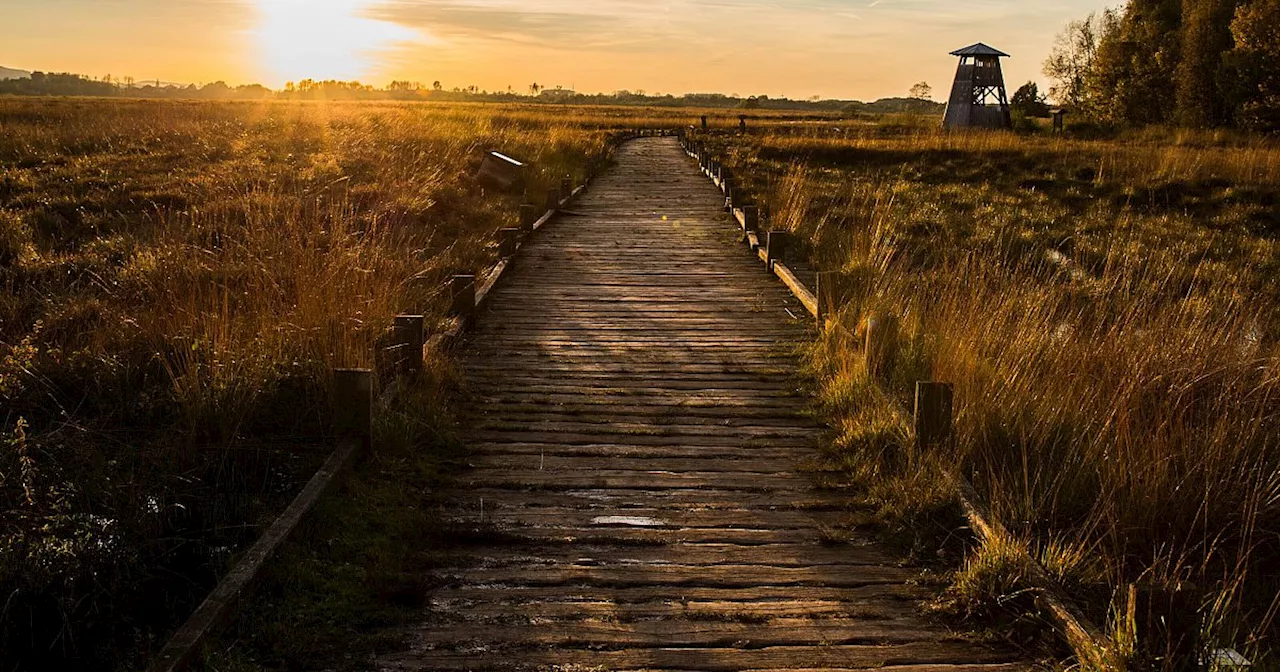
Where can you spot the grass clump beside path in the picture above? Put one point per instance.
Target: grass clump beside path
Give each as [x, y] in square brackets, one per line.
[1107, 311]
[360, 564]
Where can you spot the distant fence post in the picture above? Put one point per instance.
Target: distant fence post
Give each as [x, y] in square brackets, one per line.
[933, 413]
[566, 187]
[750, 217]
[528, 216]
[408, 331]
[553, 198]
[353, 405]
[881, 344]
[508, 241]
[776, 247]
[462, 290]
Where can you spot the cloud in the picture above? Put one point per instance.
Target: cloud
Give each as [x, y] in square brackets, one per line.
[570, 26]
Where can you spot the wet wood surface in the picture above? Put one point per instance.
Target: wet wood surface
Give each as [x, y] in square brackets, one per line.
[636, 495]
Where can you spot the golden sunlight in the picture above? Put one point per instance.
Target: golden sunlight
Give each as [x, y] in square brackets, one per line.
[324, 39]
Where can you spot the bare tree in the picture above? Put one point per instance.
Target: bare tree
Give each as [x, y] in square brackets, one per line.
[922, 91]
[1072, 58]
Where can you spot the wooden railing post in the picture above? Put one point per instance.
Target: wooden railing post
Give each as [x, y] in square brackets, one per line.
[776, 247]
[553, 198]
[750, 218]
[353, 405]
[566, 187]
[528, 217]
[508, 242]
[933, 413]
[881, 345]
[408, 332]
[462, 290]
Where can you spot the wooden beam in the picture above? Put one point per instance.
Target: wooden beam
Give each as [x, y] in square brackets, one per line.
[797, 288]
[219, 606]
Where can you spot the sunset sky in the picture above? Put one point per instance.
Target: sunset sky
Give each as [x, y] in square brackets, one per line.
[864, 49]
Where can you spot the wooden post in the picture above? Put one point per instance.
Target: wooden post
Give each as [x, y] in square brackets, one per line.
[566, 187]
[750, 218]
[776, 247]
[353, 405]
[408, 332]
[528, 217]
[881, 344]
[728, 197]
[553, 198]
[508, 241]
[828, 295]
[462, 290]
[933, 413]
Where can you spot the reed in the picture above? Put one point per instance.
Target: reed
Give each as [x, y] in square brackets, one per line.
[1106, 311]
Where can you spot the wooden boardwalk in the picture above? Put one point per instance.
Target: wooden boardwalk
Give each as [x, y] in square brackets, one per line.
[637, 430]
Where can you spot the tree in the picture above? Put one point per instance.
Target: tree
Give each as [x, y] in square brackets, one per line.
[1029, 102]
[922, 91]
[1253, 66]
[437, 86]
[1132, 77]
[1071, 60]
[1206, 36]
[534, 88]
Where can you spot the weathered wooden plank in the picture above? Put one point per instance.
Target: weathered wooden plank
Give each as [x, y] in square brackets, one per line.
[911, 657]
[680, 633]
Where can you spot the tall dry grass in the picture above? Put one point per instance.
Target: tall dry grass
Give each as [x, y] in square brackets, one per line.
[178, 280]
[1107, 313]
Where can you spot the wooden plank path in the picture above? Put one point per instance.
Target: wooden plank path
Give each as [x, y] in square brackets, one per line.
[637, 429]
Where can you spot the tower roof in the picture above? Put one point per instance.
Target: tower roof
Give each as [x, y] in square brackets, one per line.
[980, 49]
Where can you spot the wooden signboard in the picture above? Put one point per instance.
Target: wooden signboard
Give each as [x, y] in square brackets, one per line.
[501, 170]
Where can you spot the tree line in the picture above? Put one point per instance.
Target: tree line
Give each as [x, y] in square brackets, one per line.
[66, 84]
[1193, 63]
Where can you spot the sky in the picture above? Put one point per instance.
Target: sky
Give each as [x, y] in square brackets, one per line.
[849, 49]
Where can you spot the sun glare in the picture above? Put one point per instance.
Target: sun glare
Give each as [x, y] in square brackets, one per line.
[324, 39]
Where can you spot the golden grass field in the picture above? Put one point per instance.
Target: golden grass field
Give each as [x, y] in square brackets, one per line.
[180, 277]
[1109, 316]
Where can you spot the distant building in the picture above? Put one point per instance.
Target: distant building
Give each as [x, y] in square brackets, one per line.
[978, 98]
[557, 94]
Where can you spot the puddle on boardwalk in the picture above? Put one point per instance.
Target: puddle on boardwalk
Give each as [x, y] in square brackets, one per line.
[630, 521]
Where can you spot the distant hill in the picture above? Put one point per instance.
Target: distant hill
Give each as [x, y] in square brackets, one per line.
[9, 73]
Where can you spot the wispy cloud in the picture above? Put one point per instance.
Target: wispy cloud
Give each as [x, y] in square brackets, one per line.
[567, 25]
